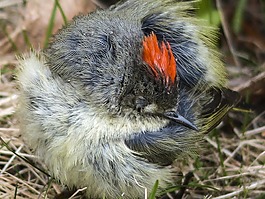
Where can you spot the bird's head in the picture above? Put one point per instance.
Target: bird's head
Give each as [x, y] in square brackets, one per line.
[117, 67]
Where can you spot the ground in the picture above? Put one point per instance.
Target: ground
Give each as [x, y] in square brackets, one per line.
[230, 165]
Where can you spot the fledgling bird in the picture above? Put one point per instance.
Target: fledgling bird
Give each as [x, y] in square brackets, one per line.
[119, 94]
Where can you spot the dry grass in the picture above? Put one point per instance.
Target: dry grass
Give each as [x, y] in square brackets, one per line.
[231, 166]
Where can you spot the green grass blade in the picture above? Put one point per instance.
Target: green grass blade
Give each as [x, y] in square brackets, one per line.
[51, 25]
[237, 20]
[13, 45]
[61, 11]
[26, 39]
[154, 190]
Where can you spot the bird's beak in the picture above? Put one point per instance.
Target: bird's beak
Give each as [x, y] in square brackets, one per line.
[175, 117]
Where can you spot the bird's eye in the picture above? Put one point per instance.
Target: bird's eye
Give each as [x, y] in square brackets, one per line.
[140, 103]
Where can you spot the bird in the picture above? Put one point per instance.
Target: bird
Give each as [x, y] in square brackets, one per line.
[120, 94]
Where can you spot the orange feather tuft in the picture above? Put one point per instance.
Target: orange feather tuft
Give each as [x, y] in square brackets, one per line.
[159, 58]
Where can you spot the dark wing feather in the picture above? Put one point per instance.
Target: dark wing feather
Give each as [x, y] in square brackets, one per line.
[174, 140]
[223, 100]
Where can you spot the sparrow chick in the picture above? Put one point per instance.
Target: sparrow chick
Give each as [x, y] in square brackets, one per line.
[119, 94]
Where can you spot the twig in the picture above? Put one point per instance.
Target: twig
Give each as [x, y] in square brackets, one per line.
[227, 32]
[11, 160]
[254, 131]
[235, 193]
[8, 99]
[7, 3]
[183, 188]
[21, 157]
[79, 190]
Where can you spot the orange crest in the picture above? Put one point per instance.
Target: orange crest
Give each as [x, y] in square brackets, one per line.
[159, 58]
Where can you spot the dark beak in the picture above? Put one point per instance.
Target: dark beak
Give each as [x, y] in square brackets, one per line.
[175, 117]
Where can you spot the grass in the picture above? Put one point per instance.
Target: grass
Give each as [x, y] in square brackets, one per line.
[231, 165]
